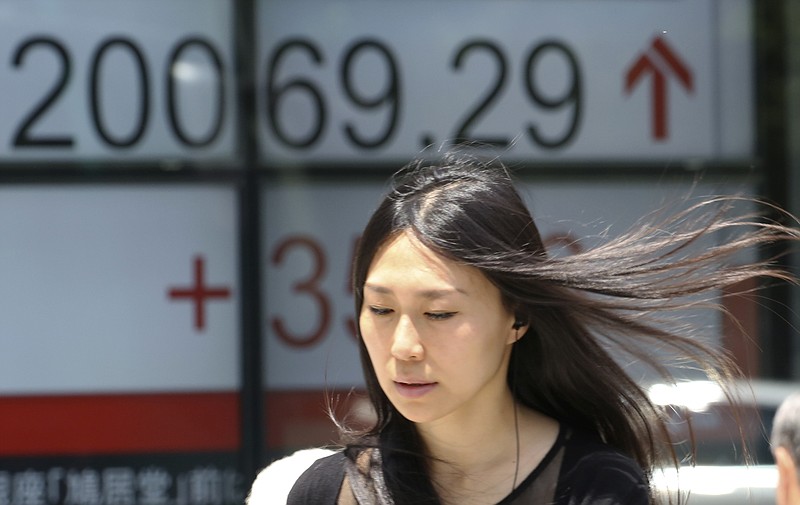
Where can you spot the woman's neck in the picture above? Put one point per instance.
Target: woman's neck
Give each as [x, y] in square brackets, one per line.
[474, 458]
[470, 439]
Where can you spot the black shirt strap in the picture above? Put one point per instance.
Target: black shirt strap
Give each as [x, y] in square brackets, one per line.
[320, 484]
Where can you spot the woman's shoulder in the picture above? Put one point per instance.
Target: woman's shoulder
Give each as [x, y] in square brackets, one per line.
[275, 482]
[597, 471]
[584, 451]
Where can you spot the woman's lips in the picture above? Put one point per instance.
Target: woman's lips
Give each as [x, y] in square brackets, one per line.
[414, 390]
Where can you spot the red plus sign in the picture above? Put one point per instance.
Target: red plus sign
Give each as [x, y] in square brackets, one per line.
[199, 293]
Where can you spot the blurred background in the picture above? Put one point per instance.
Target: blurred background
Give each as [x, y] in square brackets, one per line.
[182, 183]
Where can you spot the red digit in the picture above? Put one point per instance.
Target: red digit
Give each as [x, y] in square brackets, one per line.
[308, 287]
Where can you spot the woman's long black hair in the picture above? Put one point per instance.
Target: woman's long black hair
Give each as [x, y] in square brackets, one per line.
[578, 307]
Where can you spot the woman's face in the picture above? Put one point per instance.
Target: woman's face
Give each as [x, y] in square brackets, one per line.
[438, 334]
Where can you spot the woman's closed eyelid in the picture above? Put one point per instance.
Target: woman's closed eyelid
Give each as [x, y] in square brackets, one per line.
[379, 310]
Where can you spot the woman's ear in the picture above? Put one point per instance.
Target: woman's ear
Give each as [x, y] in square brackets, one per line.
[519, 328]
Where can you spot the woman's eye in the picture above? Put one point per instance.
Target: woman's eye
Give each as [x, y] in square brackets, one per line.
[379, 311]
[439, 316]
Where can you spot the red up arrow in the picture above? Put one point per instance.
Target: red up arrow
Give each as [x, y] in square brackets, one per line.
[661, 61]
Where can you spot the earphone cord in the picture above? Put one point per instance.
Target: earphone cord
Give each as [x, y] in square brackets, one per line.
[516, 417]
[516, 432]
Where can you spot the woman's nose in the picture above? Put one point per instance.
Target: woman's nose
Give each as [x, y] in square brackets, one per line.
[406, 344]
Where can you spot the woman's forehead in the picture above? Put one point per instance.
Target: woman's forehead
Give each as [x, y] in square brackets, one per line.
[404, 259]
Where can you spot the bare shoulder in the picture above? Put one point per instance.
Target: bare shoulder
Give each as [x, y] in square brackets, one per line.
[538, 432]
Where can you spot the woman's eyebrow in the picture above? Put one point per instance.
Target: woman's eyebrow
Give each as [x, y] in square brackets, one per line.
[430, 294]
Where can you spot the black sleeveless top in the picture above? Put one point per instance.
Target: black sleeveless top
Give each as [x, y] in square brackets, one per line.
[577, 470]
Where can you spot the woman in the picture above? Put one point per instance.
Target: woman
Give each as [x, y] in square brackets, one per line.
[487, 361]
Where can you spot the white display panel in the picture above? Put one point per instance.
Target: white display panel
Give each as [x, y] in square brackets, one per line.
[123, 80]
[557, 80]
[91, 289]
[311, 231]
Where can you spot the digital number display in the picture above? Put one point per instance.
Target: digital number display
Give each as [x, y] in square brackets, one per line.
[151, 80]
[387, 101]
[134, 277]
[360, 81]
